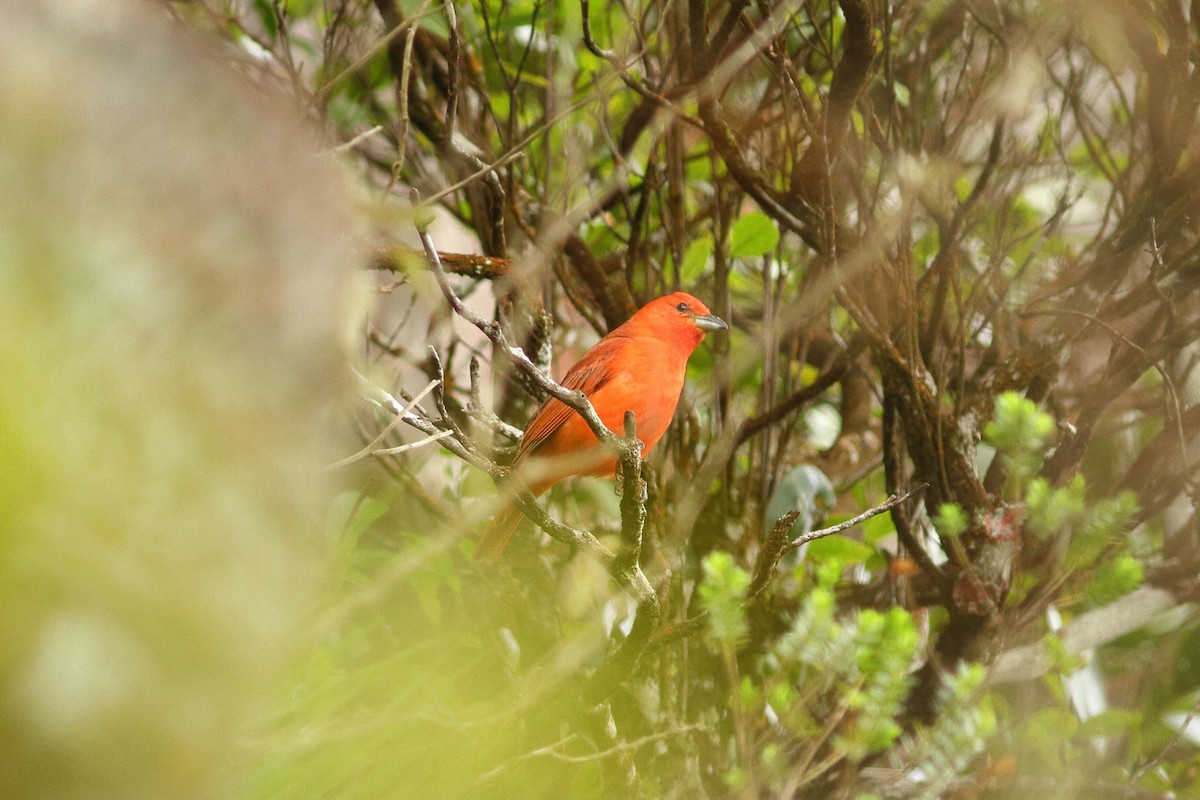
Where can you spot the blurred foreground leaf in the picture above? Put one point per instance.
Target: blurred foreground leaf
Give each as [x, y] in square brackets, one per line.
[173, 291]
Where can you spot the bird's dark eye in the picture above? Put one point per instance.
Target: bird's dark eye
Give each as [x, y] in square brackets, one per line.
[682, 307]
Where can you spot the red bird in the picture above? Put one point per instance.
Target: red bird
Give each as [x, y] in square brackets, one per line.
[637, 367]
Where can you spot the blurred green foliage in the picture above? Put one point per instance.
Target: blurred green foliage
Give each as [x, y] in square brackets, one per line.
[722, 593]
[175, 293]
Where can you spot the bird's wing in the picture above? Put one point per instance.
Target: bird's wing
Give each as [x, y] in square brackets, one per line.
[588, 376]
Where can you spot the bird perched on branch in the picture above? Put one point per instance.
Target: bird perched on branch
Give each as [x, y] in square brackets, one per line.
[638, 367]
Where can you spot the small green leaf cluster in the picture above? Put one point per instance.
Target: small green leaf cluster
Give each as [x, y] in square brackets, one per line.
[1114, 579]
[885, 645]
[965, 721]
[1100, 526]
[950, 520]
[1021, 432]
[722, 594]
[1018, 425]
[843, 679]
[1050, 510]
[1093, 532]
[831, 690]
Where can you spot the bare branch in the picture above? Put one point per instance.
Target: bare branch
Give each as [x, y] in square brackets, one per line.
[886, 505]
[523, 498]
[400, 413]
[404, 412]
[633, 495]
[404, 448]
[471, 265]
[481, 412]
[357, 140]
[778, 546]
[587, 33]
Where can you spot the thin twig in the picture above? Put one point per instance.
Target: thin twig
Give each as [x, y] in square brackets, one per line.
[767, 562]
[452, 65]
[402, 98]
[404, 448]
[1168, 382]
[772, 551]
[439, 397]
[350, 145]
[551, 750]
[518, 150]
[477, 409]
[385, 400]
[391, 426]
[410, 24]
[886, 505]
[1142, 769]
[503, 161]
[523, 499]
[777, 545]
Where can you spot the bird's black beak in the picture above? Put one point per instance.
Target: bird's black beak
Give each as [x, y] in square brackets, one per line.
[708, 322]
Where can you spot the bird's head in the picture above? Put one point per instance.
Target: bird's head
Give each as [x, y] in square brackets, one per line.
[680, 317]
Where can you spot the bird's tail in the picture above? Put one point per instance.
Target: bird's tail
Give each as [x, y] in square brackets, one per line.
[493, 541]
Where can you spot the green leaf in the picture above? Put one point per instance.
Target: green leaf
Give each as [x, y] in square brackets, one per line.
[426, 587]
[695, 260]
[1048, 727]
[423, 216]
[1052, 509]
[839, 548]
[1114, 722]
[878, 527]
[300, 8]
[266, 16]
[1062, 659]
[753, 235]
[476, 483]
[1115, 579]
[1102, 524]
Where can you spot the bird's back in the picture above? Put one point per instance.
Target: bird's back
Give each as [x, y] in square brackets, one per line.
[638, 374]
